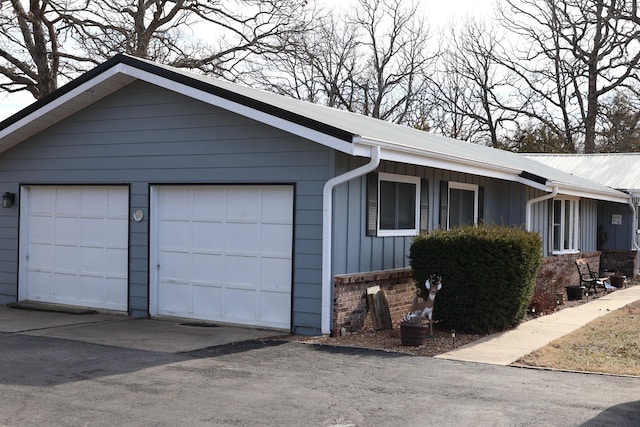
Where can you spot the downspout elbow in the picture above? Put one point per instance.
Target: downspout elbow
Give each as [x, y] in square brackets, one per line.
[327, 232]
[530, 203]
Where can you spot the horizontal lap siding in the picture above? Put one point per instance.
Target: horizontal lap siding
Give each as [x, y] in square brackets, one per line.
[143, 135]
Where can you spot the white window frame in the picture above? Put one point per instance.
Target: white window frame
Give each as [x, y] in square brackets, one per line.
[574, 224]
[467, 187]
[407, 179]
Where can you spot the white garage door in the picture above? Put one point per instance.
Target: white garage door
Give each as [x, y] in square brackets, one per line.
[74, 245]
[222, 253]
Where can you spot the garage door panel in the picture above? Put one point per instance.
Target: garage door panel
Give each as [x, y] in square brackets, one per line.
[65, 287]
[66, 231]
[235, 243]
[174, 263]
[178, 235]
[207, 268]
[176, 204]
[276, 206]
[275, 274]
[115, 263]
[76, 245]
[91, 231]
[242, 238]
[208, 203]
[66, 258]
[92, 203]
[92, 260]
[41, 257]
[241, 304]
[241, 270]
[275, 239]
[41, 229]
[207, 235]
[207, 301]
[272, 305]
[115, 229]
[175, 297]
[242, 204]
[41, 201]
[68, 201]
[40, 285]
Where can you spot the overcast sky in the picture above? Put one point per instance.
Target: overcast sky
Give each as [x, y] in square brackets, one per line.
[439, 13]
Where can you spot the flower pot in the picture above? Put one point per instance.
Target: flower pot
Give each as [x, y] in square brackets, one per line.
[574, 293]
[413, 334]
[617, 280]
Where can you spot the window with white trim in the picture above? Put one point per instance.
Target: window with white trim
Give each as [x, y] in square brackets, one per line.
[398, 207]
[565, 232]
[462, 205]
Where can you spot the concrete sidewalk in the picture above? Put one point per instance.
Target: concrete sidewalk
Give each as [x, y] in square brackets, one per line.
[119, 330]
[506, 347]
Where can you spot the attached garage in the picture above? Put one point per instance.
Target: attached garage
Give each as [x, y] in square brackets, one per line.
[222, 253]
[74, 245]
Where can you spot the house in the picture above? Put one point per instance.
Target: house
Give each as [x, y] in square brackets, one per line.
[149, 190]
[619, 231]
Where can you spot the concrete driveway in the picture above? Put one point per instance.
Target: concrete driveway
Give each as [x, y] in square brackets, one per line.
[93, 372]
[170, 336]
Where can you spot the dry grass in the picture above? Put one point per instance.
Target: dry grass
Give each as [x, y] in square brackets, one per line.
[610, 344]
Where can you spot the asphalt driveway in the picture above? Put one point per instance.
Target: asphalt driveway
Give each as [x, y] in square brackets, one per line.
[53, 380]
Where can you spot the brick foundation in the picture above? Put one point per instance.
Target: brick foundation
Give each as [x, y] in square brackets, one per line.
[564, 268]
[350, 290]
[350, 297]
[622, 262]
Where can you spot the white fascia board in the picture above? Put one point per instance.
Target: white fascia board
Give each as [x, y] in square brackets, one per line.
[566, 190]
[243, 110]
[446, 162]
[61, 107]
[411, 155]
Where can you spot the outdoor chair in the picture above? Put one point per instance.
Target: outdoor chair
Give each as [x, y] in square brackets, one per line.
[589, 279]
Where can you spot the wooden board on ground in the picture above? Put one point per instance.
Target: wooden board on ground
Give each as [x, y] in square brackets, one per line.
[379, 308]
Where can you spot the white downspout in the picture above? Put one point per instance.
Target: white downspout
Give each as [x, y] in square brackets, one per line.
[327, 231]
[634, 245]
[530, 203]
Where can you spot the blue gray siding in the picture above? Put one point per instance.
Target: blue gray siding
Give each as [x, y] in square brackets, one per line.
[354, 251]
[143, 135]
[619, 236]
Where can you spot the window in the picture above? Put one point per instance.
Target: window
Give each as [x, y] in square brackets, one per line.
[462, 205]
[397, 205]
[564, 229]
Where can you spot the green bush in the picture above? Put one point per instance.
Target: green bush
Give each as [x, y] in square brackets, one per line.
[488, 275]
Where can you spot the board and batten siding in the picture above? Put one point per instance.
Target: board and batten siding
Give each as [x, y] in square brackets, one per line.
[588, 217]
[143, 135]
[355, 252]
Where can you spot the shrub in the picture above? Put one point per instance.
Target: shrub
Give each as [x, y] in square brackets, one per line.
[488, 274]
[543, 302]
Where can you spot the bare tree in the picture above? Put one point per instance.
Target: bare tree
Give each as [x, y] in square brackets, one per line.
[58, 39]
[574, 52]
[31, 55]
[318, 65]
[396, 57]
[471, 89]
[372, 62]
[213, 36]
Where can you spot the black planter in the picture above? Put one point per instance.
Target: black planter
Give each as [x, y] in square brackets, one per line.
[413, 334]
[617, 280]
[574, 293]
